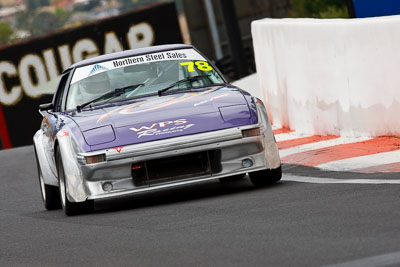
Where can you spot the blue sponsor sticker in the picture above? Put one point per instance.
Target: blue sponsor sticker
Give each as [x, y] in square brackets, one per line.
[97, 68]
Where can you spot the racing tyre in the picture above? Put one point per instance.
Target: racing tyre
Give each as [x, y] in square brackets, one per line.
[50, 194]
[70, 208]
[233, 178]
[266, 177]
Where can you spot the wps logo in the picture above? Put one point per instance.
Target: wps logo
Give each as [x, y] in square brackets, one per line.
[160, 128]
[161, 125]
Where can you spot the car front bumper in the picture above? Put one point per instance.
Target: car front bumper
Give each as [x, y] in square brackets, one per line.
[116, 170]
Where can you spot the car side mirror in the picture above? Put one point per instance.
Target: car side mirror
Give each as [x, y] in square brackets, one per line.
[45, 107]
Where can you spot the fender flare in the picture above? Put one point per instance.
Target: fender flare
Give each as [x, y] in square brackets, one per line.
[75, 187]
[48, 176]
[271, 148]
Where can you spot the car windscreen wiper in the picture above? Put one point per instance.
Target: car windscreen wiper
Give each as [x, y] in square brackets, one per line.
[191, 79]
[112, 93]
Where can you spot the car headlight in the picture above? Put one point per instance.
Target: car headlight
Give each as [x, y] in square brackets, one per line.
[235, 113]
[100, 135]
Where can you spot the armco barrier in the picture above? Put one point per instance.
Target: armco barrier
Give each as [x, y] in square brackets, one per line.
[330, 76]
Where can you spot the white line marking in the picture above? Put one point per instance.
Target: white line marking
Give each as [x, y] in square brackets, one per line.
[362, 162]
[374, 261]
[321, 144]
[316, 180]
[288, 136]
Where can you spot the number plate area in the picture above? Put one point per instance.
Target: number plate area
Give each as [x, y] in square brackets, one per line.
[176, 168]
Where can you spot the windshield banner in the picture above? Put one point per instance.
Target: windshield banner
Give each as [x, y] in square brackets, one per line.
[182, 54]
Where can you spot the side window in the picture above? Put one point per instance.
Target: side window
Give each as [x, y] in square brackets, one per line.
[60, 92]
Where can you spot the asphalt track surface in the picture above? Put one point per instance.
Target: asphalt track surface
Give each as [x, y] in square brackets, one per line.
[210, 224]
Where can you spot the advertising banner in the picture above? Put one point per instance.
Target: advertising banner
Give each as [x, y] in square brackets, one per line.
[373, 8]
[29, 70]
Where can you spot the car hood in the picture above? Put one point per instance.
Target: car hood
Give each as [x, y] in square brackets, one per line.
[170, 115]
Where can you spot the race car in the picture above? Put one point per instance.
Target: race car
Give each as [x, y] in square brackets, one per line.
[148, 119]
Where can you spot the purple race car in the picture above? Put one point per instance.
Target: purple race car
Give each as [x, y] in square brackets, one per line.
[147, 119]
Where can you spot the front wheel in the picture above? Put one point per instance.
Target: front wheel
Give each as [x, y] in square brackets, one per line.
[266, 177]
[70, 208]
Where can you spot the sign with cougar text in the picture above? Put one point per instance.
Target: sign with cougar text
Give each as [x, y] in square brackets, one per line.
[29, 68]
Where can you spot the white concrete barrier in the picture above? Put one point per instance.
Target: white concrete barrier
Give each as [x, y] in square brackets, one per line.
[250, 84]
[331, 76]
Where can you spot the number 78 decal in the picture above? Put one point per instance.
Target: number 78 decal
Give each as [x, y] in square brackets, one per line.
[201, 65]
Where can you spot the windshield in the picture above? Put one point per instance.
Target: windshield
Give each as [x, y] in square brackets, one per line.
[146, 74]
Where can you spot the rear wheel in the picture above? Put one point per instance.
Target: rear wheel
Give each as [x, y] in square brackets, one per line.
[266, 177]
[50, 194]
[70, 208]
[233, 178]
